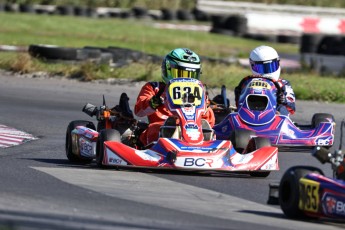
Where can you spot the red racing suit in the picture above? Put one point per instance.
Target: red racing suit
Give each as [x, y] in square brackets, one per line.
[157, 117]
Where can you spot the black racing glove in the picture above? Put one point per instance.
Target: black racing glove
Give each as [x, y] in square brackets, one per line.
[282, 99]
[156, 101]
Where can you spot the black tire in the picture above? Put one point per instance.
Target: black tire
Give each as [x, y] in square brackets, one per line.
[237, 24]
[240, 139]
[168, 14]
[53, 52]
[80, 11]
[291, 39]
[330, 45]
[140, 12]
[254, 144]
[310, 42]
[201, 15]
[105, 135]
[289, 190]
[69, 145]
[26, 8]
[320, 117]
[184, 15]
[66, 10]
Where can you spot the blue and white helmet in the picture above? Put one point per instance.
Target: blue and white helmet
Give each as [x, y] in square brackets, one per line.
[264, 61]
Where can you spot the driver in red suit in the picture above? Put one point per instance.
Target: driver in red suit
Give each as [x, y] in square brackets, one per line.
[180, 62]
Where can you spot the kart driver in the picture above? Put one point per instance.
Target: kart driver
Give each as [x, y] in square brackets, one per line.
[178, 63]
[265, 63]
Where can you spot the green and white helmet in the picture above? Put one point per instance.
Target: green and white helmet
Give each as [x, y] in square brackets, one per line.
[181, 62]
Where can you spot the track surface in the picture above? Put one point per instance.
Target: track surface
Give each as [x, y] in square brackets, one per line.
[40, 189]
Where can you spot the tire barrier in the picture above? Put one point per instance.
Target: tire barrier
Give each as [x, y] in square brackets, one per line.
[168, 14]
[25, 8]
[184, 15]
[332, 45]
[52, 53]
[309, 43]
[114, 56]
[201, 15]
[323, 44]
[229, 25]
[140, 12]
[291, 39]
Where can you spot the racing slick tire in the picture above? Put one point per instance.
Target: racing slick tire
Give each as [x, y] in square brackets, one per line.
[240, 139]
[320, 117]
[72, 157]
[105, 135]
[289, 190]
[254, 144]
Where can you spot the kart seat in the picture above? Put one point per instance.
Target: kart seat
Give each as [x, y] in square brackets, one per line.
[170, 129]
[207, 130]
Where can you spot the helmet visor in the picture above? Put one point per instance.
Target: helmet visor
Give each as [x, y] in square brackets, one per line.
[179, 73]
[263, 67]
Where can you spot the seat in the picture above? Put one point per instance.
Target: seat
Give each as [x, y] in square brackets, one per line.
[207, 130]
[170, 129]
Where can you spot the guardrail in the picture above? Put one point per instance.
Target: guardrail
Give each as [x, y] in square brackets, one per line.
[229, 7]
[280, 19]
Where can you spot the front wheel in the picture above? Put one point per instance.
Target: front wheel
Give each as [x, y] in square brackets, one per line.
[240, 139]
[71, 144]
[289, 190]
[254, 144]
[105, 135]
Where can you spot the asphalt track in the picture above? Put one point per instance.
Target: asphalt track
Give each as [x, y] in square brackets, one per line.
[40, 189]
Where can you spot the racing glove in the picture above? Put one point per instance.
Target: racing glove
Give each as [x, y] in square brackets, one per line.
[282, 99]
[156, 101]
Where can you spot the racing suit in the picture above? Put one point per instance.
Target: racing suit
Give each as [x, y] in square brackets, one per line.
[285, 102]
[156, 117]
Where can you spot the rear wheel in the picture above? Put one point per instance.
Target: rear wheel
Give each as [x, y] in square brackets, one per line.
[320, 117]
[254, 144]
[289, 190]
[105, 135]
[70, 144]
[240, 139]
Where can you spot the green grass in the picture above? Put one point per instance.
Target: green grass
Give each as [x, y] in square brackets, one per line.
[25, 29]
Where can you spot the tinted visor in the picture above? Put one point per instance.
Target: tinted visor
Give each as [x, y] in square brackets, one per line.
[179, 72]
[265, 67]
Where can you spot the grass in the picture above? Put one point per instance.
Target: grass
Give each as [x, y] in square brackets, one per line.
[25, 29]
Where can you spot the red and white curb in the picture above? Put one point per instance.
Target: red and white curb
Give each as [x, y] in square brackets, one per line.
[12, 137]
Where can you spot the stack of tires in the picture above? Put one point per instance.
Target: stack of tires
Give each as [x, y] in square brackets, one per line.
[235, 25]
[322, 44]
[114, 56]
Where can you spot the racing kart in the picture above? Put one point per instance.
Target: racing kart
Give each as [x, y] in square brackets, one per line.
[186, 141]
[256, 115]
[305, 192]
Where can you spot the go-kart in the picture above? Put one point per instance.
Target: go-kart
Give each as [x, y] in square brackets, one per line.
[304, 191]
[256, 115]
[186, 141]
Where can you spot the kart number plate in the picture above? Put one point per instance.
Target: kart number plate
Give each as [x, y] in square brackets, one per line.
[179, 88]
[308, 195]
